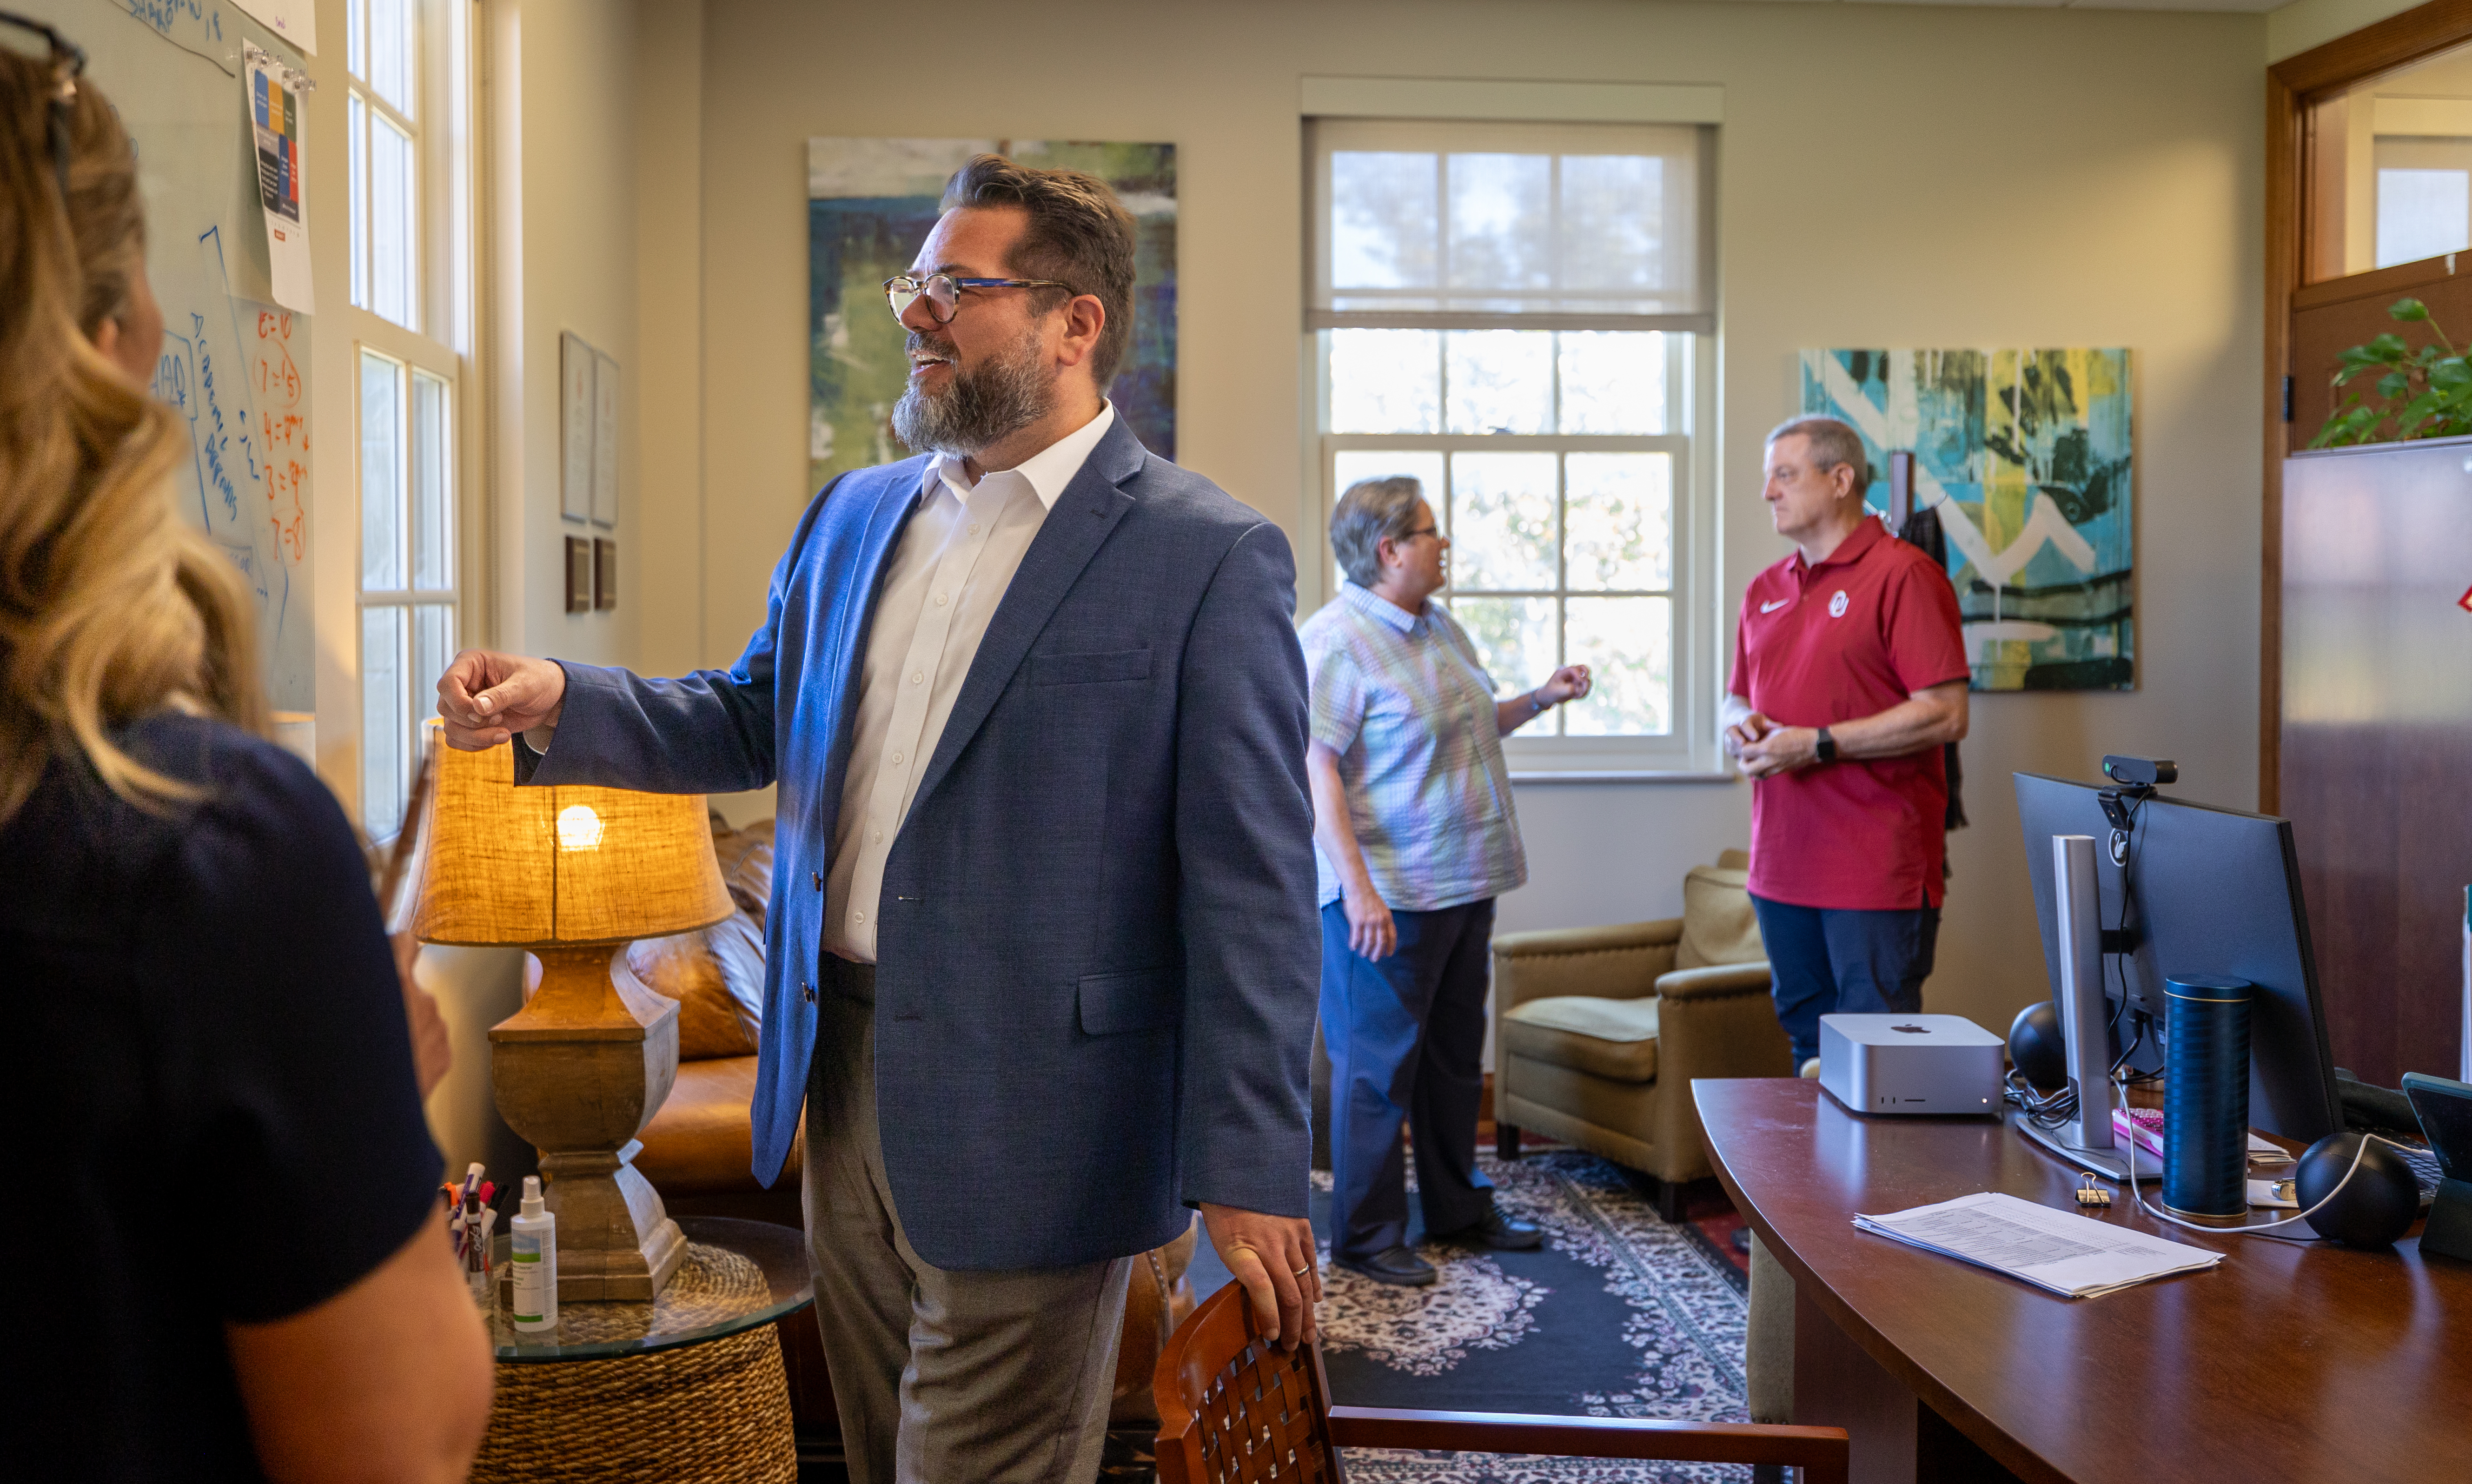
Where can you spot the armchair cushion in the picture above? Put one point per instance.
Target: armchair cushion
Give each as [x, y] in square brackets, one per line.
[717, 976]
[717, 973]
[1715, 980]
[1608, 963]
[699, 1143]
[1718, 924]
[1614, 1038]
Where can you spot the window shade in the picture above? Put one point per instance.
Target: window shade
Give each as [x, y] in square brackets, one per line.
[1428, 225]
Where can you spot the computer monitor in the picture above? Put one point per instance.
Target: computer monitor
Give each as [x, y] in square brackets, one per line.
[2209, 891]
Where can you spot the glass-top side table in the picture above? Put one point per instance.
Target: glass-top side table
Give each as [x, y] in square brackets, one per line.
[737, 1274]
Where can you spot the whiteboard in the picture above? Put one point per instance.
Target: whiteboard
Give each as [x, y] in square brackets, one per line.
[235, 367]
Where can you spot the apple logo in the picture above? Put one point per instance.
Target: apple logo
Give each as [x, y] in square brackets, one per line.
[1911, 1030]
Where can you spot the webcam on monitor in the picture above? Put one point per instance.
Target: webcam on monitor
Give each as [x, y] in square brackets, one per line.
[2141, 771]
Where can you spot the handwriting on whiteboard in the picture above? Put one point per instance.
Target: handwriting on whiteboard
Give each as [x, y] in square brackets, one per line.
[283, 433]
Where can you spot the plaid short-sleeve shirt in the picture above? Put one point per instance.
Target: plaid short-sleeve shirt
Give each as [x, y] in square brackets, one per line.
[1403, 700]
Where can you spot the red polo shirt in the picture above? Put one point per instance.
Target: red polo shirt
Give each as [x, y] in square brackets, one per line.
[1818, 645]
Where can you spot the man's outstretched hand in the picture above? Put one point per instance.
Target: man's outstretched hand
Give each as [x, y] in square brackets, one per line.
[1272, 1257]
[486, 697]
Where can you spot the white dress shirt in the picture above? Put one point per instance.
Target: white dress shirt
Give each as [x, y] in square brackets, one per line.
[956, 558]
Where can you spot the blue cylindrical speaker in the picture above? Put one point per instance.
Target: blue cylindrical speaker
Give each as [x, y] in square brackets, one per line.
[2205, 1097]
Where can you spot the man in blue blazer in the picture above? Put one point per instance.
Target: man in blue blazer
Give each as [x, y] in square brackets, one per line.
[1043, 948]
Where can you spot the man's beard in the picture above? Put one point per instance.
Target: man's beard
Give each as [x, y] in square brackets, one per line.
[1003, 395]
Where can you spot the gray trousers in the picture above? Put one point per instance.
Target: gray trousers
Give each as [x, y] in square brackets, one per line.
[941, 1376]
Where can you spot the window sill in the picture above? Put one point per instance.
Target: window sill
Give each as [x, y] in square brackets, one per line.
[1618, 776]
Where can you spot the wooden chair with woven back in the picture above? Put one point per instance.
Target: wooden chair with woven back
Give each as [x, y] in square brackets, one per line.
[1235, 1409]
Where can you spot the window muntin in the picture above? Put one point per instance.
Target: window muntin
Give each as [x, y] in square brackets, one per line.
[409, 312]
[408, 597]
[1458, 220]
[384, 48]
[1518, 317]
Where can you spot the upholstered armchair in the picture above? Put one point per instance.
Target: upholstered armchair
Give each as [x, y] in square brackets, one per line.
[1599, 1031]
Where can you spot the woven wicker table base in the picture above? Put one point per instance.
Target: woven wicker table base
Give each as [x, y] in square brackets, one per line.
[714, 1413]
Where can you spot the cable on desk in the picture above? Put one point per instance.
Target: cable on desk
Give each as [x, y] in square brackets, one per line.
[2253, 1228]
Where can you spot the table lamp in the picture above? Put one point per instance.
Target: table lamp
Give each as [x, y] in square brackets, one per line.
[570, 873]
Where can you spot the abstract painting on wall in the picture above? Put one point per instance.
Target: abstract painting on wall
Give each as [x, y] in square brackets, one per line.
[869, 204]
[2026, 457]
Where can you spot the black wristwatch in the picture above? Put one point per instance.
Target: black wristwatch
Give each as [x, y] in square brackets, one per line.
[1824, 747]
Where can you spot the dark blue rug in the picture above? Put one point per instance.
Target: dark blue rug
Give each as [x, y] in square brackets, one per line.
[1617, 1315]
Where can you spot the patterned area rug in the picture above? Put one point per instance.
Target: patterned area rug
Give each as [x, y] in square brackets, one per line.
[1617, 1315]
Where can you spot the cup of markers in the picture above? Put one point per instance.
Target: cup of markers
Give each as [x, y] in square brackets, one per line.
[470, 1221]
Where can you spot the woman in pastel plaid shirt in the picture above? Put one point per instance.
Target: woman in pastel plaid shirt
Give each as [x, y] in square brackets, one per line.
[1415, 835]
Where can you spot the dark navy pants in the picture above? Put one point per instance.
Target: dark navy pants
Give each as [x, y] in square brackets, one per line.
[1822, 959]
[1407, 1043]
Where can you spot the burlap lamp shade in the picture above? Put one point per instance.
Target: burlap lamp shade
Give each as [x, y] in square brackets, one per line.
[570, 873]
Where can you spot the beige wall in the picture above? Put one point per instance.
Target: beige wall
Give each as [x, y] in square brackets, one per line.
[561, 82]
[564, 78]
[1888, 175]
[2298, 27]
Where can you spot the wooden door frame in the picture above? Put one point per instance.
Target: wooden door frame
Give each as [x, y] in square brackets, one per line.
[2291, 86]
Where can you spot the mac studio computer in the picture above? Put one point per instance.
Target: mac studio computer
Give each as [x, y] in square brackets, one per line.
[2182, 889]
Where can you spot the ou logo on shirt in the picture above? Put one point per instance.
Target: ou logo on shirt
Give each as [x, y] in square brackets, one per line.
[1837, 604]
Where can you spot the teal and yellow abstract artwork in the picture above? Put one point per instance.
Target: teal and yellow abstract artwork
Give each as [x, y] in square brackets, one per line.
[869, 204]
[2025, 456]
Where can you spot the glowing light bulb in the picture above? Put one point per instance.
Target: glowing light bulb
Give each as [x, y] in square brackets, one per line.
[579, 828]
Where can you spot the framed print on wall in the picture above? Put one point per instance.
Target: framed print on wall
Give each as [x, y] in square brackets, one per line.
[870, 203]
[575, 412]
[605, 440]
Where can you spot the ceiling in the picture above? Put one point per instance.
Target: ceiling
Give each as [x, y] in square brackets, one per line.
[2249, 6]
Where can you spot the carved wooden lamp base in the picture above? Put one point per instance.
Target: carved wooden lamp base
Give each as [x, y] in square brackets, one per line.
[578, 1071]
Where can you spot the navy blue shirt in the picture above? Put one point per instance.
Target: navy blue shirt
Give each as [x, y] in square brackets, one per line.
[211, 1111]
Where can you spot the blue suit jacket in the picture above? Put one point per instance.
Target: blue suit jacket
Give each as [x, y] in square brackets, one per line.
[1098, 945]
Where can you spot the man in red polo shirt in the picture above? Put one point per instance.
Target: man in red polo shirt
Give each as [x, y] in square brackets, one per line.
[1849, 675]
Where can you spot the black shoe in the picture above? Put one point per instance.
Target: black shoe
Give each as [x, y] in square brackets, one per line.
[1741, 1240]
[1397, 1266]
[1498, 1231]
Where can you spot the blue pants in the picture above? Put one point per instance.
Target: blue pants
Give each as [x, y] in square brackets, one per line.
[1822, 959]
[1407, 1044]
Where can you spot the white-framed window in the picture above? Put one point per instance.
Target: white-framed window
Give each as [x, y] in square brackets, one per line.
[409, 106]
[1521, 317]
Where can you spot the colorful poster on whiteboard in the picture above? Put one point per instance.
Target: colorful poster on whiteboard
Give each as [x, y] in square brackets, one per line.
[273, 91]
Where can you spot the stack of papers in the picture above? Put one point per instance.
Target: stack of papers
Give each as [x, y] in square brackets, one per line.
[2075, 1256]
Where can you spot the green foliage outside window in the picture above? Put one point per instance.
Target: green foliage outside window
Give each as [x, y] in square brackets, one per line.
[2419, 394]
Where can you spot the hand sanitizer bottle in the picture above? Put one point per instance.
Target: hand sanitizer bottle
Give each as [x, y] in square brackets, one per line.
[533, 1261]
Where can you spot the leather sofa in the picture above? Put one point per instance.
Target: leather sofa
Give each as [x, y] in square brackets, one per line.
[697, 1150]
[1599, 1031]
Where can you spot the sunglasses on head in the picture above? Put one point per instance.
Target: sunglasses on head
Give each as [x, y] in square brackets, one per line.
[68, 64]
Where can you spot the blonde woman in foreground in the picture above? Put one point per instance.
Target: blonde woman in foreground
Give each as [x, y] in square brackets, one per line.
[226, 1254]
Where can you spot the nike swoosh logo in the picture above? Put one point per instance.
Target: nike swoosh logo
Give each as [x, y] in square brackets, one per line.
[1770, 608]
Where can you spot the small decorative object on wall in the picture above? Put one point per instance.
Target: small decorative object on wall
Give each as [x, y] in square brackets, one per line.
[2026, 457]
[604, 572]
[575, 373]
[605, 440]
[869, 204]
[578, 575]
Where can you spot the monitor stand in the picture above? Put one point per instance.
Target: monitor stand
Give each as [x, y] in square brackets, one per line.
[2111, 1163]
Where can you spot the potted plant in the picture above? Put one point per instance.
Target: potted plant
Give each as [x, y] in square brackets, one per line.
[2419, 394]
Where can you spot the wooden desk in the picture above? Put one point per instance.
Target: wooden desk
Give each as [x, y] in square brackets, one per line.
[2288, 1361]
